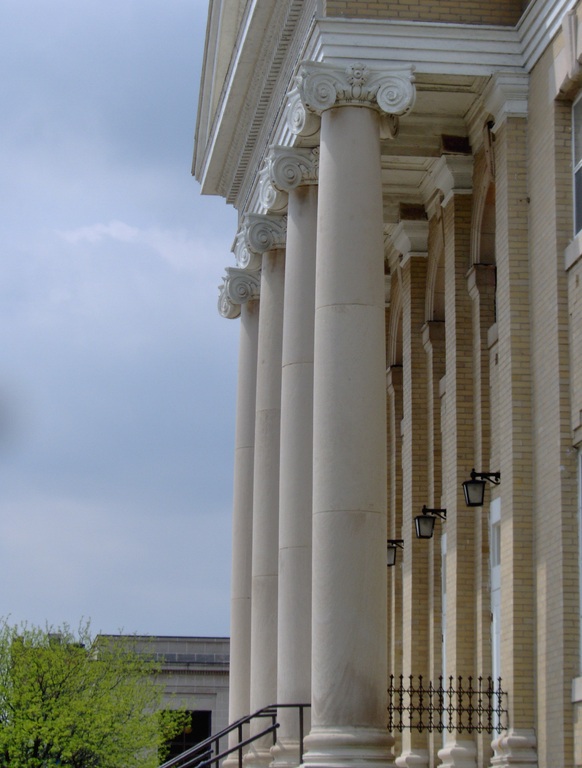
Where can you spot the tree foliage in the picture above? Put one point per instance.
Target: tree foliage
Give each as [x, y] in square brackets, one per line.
[70, 700]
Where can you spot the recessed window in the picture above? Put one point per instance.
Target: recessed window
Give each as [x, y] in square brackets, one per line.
[198, 729]
[577, 150]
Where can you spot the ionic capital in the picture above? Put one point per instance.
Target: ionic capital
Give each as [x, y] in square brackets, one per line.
[238, 287]
[300, 121]
[274, 200]
[323, 86]
[264, 233]
[243, 256]
[258, 234]
[288, 168]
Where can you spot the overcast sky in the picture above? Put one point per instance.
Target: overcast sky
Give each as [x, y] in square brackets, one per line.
[117, 374]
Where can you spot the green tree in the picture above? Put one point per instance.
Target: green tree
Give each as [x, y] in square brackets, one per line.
[70, 700]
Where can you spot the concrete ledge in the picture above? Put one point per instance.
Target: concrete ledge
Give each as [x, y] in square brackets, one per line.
[573, 252]
[577, 690]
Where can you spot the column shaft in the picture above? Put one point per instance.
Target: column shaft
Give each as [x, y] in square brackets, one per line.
[266, 495]
[242, 518]
[295, 516]
[349, 533]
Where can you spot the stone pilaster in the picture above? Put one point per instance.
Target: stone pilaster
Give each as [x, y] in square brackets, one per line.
[481, 281]
[453, 176]
[395, 639]
[518, 602]
[349, 528]
[433, 336]
[410, 239]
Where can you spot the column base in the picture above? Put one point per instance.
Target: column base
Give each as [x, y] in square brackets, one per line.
[341, 747]
[285, 754]
[413, 758]
[232, 761]
[458, 754]
[515, 747]
[258, 757]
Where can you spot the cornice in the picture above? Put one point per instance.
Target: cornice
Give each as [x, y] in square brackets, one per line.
[267, 34]
[433, 48]
[251, 114]
[538, 26]
[441, 48]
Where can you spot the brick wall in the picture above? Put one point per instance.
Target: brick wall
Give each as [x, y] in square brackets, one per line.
[554, 460]
[498, 12]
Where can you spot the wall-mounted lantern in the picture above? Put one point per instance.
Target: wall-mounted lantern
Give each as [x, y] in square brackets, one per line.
[392, 547]
[425, 523]
[474, 489]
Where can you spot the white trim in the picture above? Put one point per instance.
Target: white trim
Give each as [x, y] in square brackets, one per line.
[573, 252]
[576, 690]
[580, 559]
[538, 26]
[451, 51]
[434, 48]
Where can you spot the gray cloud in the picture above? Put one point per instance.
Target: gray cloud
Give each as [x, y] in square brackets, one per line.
[117, 374]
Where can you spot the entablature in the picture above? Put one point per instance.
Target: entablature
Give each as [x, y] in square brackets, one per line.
[251, 114]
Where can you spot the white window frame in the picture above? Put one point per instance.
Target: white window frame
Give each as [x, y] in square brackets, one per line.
[495, 585]
[580, 559]
[577, 165]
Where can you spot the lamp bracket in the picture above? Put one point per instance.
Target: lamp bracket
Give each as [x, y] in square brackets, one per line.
[396, 543]
[442, 513]
[492, 477]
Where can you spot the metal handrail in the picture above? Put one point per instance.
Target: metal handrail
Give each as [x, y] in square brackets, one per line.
[201, 755]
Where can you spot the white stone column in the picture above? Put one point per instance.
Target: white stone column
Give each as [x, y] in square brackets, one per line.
[266, 234]
[239, 298]
[349, 656]
[295, 172]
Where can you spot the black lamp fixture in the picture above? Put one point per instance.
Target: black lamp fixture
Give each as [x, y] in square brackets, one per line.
[392, 547]
[474, 489]
[425, 523]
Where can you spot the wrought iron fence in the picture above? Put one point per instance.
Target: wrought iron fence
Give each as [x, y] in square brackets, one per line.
[477, 705]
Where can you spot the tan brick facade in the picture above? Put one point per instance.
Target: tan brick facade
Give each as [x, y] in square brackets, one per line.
[483, 326]
[501, 12]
